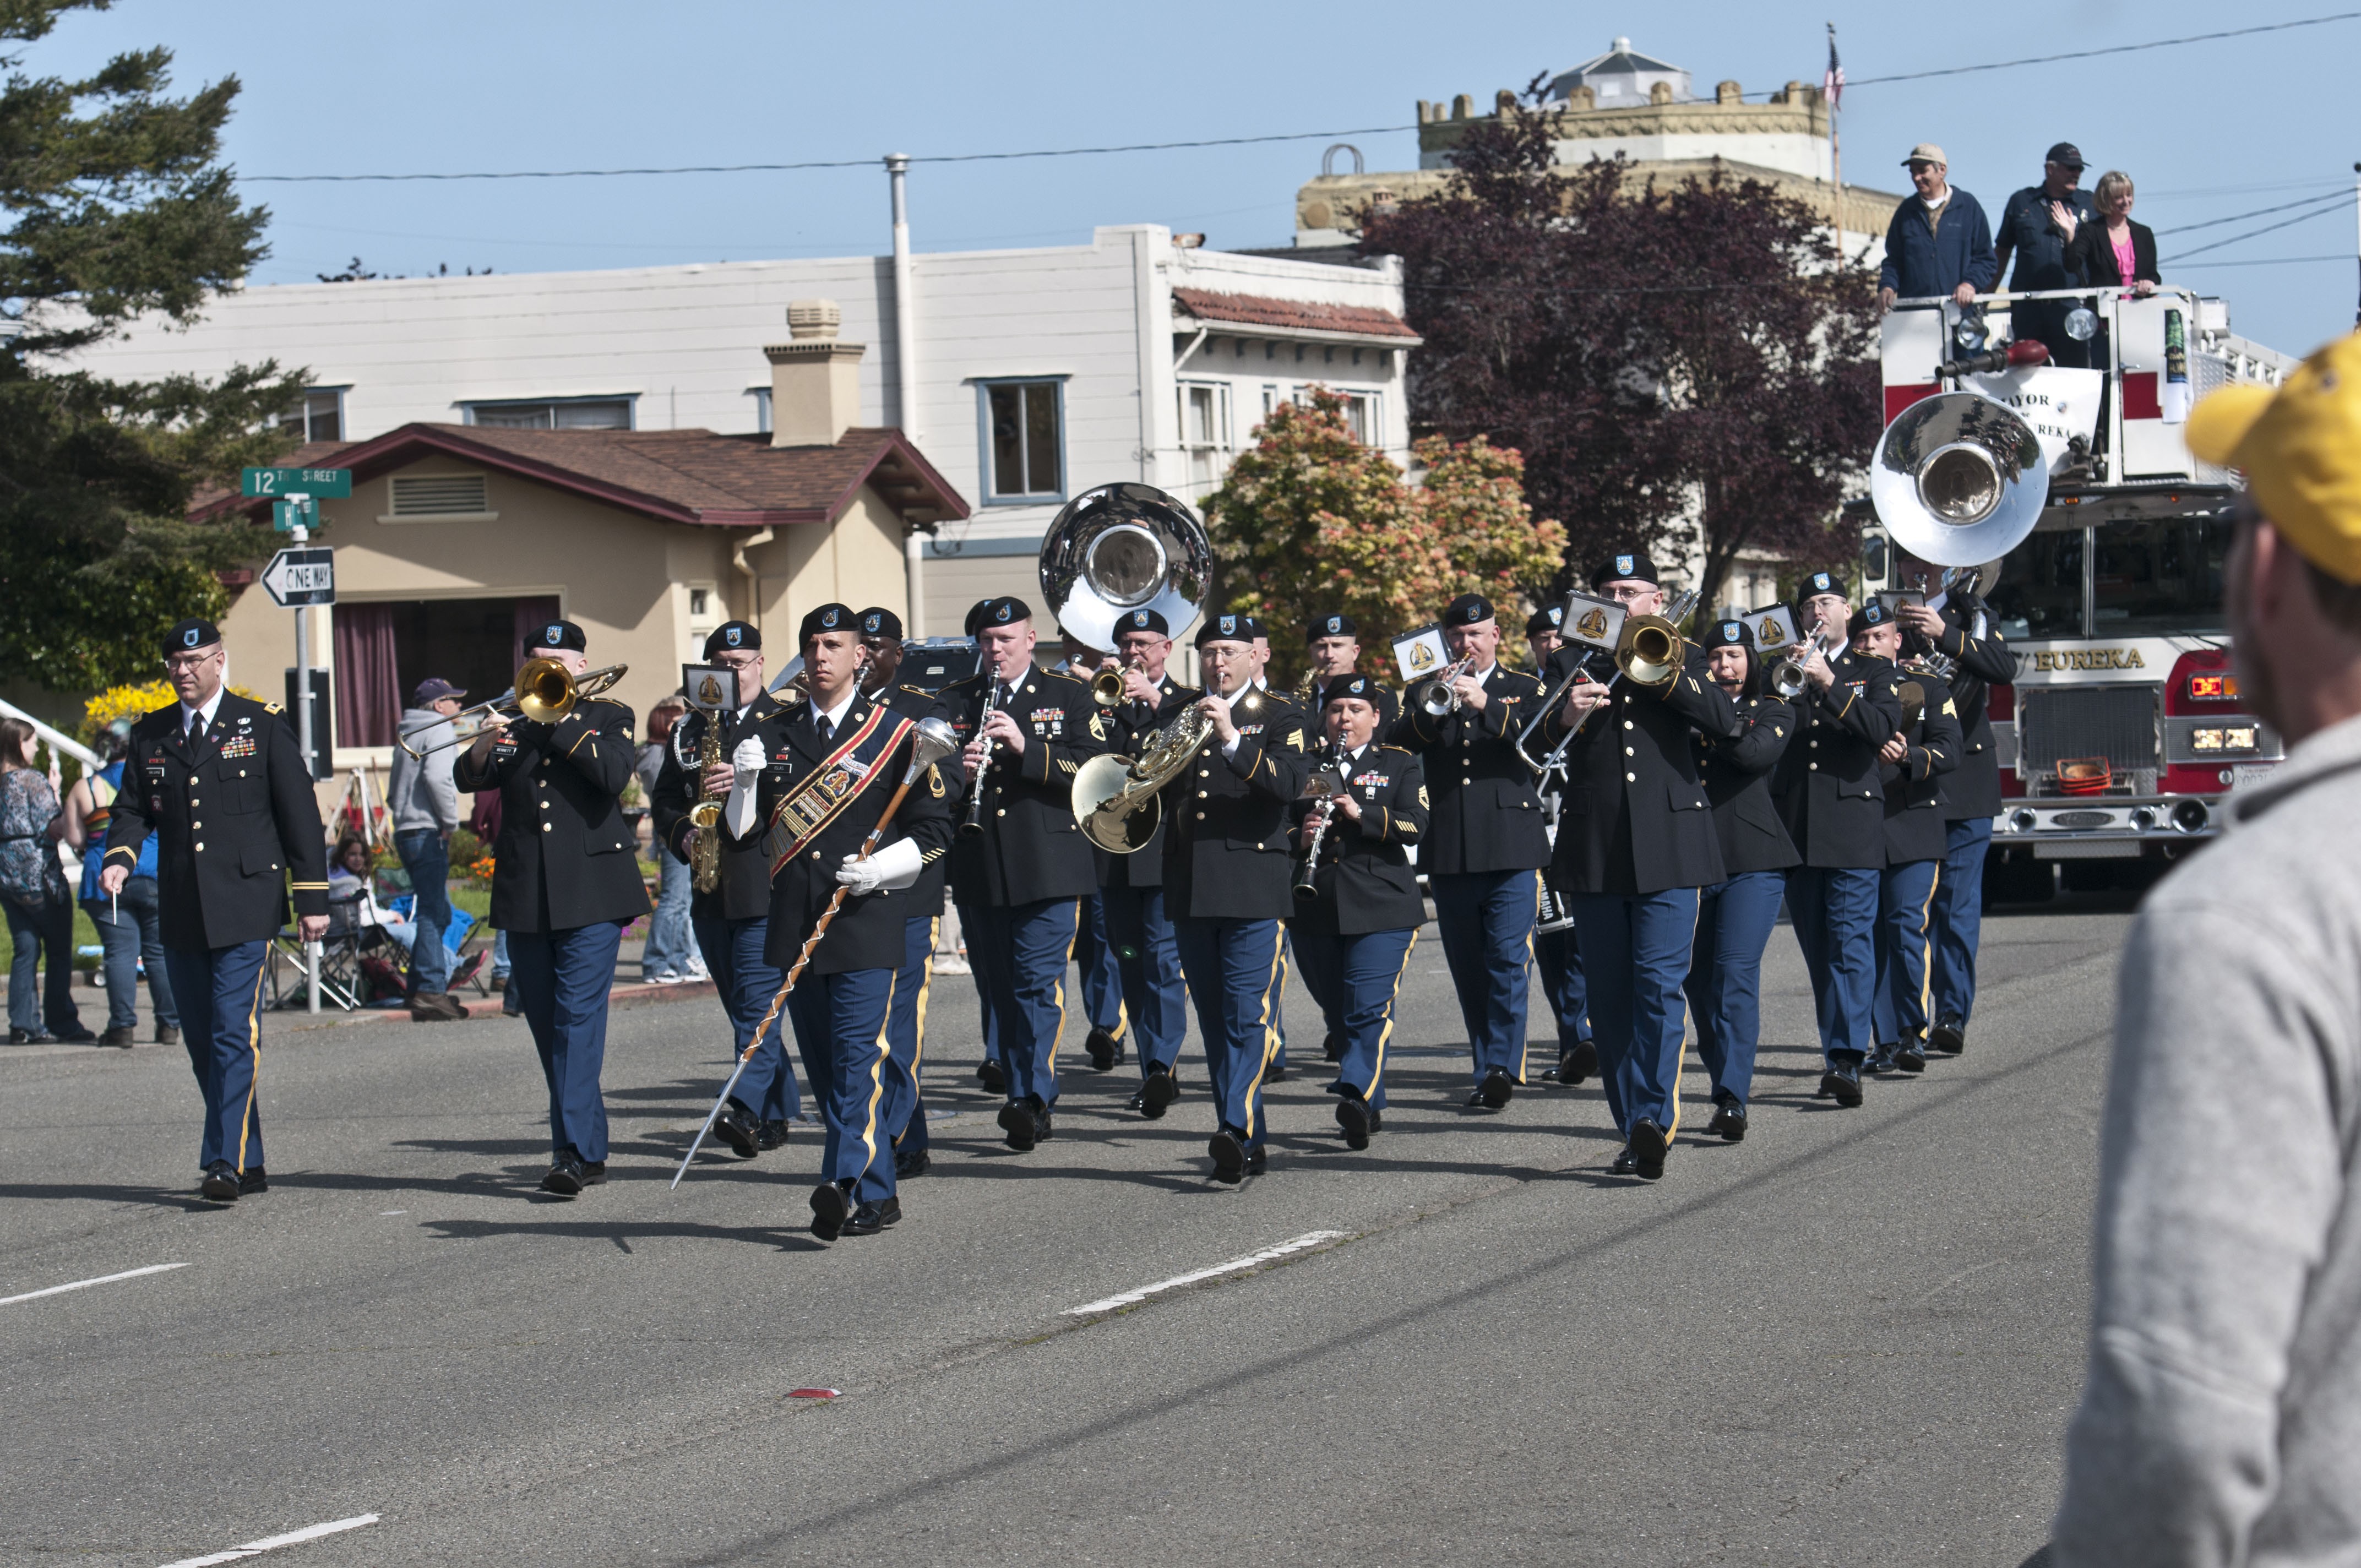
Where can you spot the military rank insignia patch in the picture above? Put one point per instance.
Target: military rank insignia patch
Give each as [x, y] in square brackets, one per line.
[1421, 795]
[1098, 726]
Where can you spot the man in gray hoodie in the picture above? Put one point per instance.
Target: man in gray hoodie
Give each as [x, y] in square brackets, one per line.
[425, 806]
[2221, 1422]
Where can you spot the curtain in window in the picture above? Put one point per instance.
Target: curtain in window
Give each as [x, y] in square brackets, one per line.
[368, 695]
[531, 615]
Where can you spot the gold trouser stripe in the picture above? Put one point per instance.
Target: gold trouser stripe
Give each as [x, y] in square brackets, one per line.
[1680, 1058]
[1926, 949]
[1377, 1069]
[1059, 1038]
[885, 1044]
[1525, 1040]
[925, 978]
[1270, 1040]
[254, 1048]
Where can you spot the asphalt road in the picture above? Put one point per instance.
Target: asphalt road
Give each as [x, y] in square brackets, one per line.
[1854, 1338]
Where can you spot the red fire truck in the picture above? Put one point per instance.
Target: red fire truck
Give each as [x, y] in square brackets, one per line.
[2123, 730]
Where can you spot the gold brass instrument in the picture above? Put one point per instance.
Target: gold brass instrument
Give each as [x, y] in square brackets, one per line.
[545, 692]
[1106, 681]
[1650, 651]
[704, 816]
[1117, 799]
[1787, 675]
[1958, 479]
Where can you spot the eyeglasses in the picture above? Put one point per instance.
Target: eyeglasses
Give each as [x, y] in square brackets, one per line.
[178, 661]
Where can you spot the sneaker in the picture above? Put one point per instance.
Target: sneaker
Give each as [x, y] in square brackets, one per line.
[696, 971]
[664, 977]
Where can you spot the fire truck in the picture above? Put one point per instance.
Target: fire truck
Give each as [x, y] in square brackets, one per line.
[2098, 544]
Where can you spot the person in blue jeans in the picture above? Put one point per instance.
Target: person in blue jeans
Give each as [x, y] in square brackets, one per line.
[129, 928]
[425, 807]
[670, 955]
[40, 905]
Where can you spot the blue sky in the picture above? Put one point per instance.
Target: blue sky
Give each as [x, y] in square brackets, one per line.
[2208, 131]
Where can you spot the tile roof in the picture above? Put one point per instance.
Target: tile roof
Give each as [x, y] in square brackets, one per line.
[679, 476]
[1293, 315]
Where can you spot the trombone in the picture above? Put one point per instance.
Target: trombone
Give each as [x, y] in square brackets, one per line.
[1650, 651]
[545, 692]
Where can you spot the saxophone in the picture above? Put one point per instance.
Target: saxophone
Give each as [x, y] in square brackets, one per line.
[704, 816]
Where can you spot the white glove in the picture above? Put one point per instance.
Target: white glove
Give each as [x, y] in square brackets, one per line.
[746, 765]
[892, 869]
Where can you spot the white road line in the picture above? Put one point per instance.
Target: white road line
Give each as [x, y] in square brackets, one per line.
[1269, 1253]
[101, 1279]
[272, 1543]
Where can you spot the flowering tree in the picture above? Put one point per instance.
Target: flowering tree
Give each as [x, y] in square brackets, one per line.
[1311, 522]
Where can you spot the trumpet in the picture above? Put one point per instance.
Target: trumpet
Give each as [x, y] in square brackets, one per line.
[1440, 697]
[1106, 681]
[545, 692]
[1787, 675]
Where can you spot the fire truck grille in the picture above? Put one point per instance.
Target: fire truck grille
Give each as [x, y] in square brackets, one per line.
[2114, 722]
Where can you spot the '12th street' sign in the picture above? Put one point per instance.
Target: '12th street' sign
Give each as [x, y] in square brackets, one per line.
[306, 574]
[333, 483]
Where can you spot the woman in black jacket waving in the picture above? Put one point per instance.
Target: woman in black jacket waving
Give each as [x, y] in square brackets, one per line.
[1735, 916]
[2114, 252]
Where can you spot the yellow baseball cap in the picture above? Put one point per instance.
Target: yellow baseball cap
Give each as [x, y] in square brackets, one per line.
[2300, 448]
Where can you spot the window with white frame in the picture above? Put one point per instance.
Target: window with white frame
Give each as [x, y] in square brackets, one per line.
[1360, 413]
[1024, 440]
[552, 413]
[1205, 431]
[320, 416]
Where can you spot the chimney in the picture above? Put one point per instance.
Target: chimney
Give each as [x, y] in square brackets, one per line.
[815, 380]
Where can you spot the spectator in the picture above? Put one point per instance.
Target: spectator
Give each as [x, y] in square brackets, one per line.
[426, 805]
[2037, 226]
[352, 871]
[129, 928]
[670, 955]
[2114, 252]
[1940, 243]
[40, 908]
[484, 822]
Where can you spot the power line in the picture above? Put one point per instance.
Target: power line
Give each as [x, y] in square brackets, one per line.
[2342, 194]
[1221, 141]
[2272, 261]
[2344, 201]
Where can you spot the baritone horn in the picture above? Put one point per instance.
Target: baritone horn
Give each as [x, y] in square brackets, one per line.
[1958, 479]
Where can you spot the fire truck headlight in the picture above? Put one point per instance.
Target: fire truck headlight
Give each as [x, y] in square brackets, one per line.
[2021, 821]
[2191, 816]
[2144, 819]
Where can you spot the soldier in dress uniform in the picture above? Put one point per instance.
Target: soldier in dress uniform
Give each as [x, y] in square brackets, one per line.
[1094, 955]
[733, 922]
[1486, 839]
[1227, 879]
[1735, 916]
[1131, 887]
[1962, 630]
[905, 1022]
[1637, 843]
[215, 757]
[1026, 866]
[808, 787]
[1911, 765]
[1355, 939]
[566, 882]
[1333, 642]
[1833, 804]
[1555, 952]
[990, 1071]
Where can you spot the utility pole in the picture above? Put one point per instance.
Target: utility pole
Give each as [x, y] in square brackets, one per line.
[906, 375]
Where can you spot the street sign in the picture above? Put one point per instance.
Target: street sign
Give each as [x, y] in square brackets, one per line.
[289, 516]
[333, 483]
[305, 575]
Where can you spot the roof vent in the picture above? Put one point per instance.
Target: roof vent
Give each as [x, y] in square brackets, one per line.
[440, 495]
[813, 318]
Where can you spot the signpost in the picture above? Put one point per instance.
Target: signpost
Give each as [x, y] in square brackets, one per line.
[300, 577]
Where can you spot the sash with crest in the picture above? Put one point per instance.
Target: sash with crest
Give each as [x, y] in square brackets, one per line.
[858, 762]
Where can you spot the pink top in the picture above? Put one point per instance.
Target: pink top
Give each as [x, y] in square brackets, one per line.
[2123, 243]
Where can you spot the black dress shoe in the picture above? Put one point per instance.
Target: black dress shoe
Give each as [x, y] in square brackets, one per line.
[1155, 1091]
[1578, 1061]
[1623, 1163]
[1879, 1060]
[1332, 1047]
[1910, 1055]
[1841, 1083]
[1949, 1037]
[1044, 1125]
[774, 1135]
[1257, 1161]
[1101, 1048]
[735, 1127]
[253, 1179]
[594, 1173]
[831, 1207]
[1377, 1121]
[1728, 1121]
[219, 1185]
[1275, 1072]
[1476, 1100]
[119, 1036]
[872, 1218]
[1017, 1121]
[1352, 1115]
[1496, 1089]
[993, 1076]
[565, 1175]
[911, 1165]
[74, 1035]
[1648, 1150]
[1229, 1152]
[28, 1037]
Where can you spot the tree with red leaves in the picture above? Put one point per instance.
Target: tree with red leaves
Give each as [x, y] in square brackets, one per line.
[1661, 357]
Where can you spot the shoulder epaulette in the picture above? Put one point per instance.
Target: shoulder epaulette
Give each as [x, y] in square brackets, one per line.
[272, 707]
[1397, 750]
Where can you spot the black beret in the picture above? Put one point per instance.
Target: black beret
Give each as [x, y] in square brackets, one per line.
[734, 634]
[1143, 620]
[1329, 626]
[1730, 633]
[1869, 615]
[559, 634]
[1467, 610]
[1005, 610]
[1815, 584]
[1541, 621]
[826, 618]
[975, 616]
[879, 622]
[1632, 567]
[1228, 629]
[189, 634]
[1366, 687]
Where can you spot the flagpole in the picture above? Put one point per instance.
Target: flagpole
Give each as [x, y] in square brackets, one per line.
[1833, 91]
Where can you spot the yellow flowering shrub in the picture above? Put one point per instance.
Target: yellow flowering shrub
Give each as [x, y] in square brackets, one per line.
[132, 702]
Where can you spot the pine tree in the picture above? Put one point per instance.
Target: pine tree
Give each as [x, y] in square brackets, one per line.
[116, 208]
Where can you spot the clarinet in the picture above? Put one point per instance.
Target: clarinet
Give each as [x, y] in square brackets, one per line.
[972, 826]
[1307, 887]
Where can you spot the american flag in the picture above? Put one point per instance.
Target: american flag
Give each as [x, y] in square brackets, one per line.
[1832, 82]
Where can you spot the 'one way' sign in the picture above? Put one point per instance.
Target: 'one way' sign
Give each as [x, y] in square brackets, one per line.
[302, 575]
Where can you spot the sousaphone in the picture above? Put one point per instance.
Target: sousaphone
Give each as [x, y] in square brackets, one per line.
[1958, 479]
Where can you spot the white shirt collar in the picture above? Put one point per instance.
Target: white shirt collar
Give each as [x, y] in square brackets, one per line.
[1937, 204]
[835, 716]
[1232, 701]
[212, 707]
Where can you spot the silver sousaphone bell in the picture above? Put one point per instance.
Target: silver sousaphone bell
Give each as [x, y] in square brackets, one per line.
[1958, 479]
[1123, 547]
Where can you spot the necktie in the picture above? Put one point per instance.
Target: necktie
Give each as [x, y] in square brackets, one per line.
[196, 728]
[827, 729]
